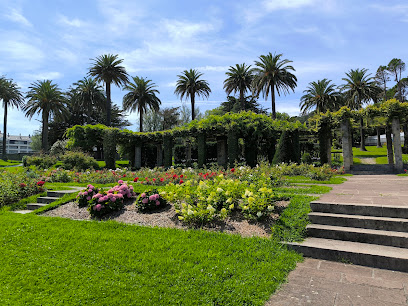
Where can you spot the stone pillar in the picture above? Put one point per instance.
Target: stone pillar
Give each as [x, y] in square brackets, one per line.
[346, 144]
[202, 149]
[329, 147]
[397, 145]
[159, 155]
[390, 151]
[222, 151]
[232, 147]
[138, 157]
[188, 153]
[168, 150]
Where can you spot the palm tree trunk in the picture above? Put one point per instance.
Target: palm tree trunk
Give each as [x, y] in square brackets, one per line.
[379, 145]
[241, 98]
[192, 105]
[4, 155]
[108, 104]
[141, 121]
[45, 131]
[273, 101]
[362, 139]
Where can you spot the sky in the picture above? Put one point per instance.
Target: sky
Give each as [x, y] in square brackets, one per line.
[158, 39]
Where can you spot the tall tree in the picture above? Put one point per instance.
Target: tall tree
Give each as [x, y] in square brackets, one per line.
[189, 85]
[360, 88]
[396, 66]
[47, 99]
[382, 77]
[141, 95]
[12, 97]
[320, 95]
[240, 80]
[272, 73]
[107, 69]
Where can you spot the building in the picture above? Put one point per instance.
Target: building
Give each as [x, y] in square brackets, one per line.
[372, 140]
[16, 144]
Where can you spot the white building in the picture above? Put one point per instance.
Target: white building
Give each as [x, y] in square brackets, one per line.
[372, 140]
[16, 144]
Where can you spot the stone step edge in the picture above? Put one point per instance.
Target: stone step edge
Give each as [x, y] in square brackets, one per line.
[343, 252]
[359, 217]
[361, 235]
[358, 204]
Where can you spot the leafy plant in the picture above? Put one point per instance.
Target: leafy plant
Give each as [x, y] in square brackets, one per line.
[150, 201]
[78, 160]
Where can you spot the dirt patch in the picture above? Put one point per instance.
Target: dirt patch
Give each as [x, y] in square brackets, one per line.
[167, 217]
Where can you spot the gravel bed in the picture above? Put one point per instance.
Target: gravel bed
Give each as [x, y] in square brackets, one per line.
[167, 218]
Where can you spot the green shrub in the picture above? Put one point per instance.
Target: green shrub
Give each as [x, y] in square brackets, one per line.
[59, 147]
[78, 160]
[42, 161]
[306, 158]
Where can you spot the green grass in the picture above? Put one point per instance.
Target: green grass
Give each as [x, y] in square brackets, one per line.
[119, 163]
[9, 163]
[56, 261]
[291, 226]
[304, 179]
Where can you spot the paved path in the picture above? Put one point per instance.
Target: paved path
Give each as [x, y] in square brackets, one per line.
[370, 189]
[320, 282]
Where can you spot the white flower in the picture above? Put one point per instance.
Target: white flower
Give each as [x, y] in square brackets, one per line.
[259, 214]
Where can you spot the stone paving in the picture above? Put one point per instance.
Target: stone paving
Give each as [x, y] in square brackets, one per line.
[370, 189]
[320, 282]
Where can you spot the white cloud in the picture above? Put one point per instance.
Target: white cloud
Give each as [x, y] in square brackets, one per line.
[49, 75]
[272, 5]
[70, 22]
[16, 16]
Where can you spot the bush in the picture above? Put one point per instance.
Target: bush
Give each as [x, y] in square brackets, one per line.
[103, 203]
[78, 160]
[85, 196]
[60, 176]
[306, 158]
[323, 173]
[150, 201]
[59, 147]
[42, 161]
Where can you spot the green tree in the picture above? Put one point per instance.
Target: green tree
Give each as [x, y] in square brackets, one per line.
[360, 88]
[46, 98]
[240, 80]
[382, 77]
[320, 95]
[189, 85]
[87, 96]
[272, 73]
[396, 66]
[36, 141]
[12, 97]
[107, 69]
[141, 96]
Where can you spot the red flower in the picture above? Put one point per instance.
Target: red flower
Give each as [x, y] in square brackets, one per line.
[40, 183]
[136, 178]
[22, 185]
[161, 179]
[181, 176]
[175, 176]
[124, 175]
[233, 169]
[154, 180]
[181, 181]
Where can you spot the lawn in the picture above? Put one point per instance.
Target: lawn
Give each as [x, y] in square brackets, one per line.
[379, 154]
[55, 261]
[9, 163]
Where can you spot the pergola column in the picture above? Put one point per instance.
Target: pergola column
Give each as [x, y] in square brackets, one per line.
[202, 149]
[347, 145]
[159, 155]
[397, 145]
[138, 157]
[222, 151]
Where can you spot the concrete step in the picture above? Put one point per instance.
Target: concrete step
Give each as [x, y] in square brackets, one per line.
[369, 222]
[22, 211]
[394, 211]
[60, 193]
[34, 206]
[389, 238]
[378, 256]
[46, 200]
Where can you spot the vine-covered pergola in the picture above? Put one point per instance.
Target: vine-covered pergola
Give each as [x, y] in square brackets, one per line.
[255, 130]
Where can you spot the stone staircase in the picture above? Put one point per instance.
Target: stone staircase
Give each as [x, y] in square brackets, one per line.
[52, 196]
[372, 169]
[362, 234]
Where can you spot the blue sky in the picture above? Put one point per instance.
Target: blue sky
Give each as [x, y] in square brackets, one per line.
[159, 39]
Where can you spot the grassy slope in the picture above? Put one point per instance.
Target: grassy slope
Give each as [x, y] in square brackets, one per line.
[56, 261]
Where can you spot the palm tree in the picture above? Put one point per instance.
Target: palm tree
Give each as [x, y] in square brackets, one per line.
[239, 79]
[141, 95]
[45, 98]
[273, 73]
[107, 69]
[87, 95]
[188, 85]
[12, 97]
[322, 95]
[360, 88]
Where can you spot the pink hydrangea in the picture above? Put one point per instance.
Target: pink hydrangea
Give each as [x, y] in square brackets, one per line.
[85, 193]
[143, 195]
[98, 207]
[120, 182]
[152, 197]
[157, 203]
[145, 201]
[113, 199]
[88, 198]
